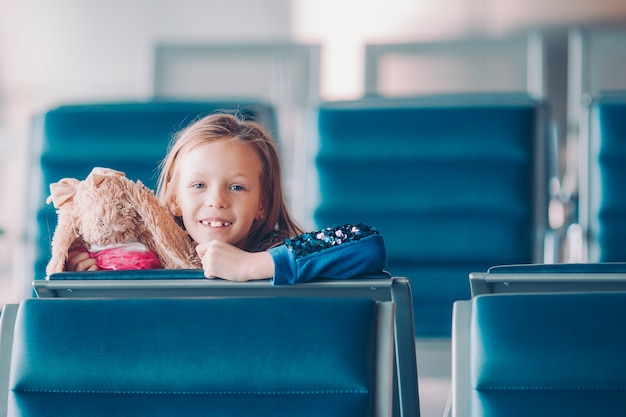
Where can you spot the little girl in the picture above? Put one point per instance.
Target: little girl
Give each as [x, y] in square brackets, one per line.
[221, 179]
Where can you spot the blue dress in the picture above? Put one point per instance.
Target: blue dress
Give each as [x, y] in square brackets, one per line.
[335, 252]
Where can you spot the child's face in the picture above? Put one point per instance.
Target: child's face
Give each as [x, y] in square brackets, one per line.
[218, 191]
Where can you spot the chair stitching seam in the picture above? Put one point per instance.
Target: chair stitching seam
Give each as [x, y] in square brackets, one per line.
[305, 392]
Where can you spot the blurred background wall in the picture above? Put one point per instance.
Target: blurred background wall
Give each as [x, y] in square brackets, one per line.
[69, 51]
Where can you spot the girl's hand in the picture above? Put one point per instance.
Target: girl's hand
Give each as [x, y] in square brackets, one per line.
[79, 260]
[223, 260]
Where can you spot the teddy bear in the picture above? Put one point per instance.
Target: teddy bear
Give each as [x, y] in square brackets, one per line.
[119, 222]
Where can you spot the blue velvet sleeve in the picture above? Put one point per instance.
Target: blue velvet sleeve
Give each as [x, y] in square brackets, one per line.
[338, 252]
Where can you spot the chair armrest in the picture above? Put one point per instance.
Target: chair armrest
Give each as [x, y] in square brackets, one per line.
[461, 389]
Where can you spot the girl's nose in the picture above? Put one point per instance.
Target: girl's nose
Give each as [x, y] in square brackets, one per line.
[216, 199]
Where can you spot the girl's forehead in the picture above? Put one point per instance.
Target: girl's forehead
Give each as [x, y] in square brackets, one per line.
[222, 154]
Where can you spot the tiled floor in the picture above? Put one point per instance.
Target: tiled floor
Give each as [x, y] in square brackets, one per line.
[434, 369]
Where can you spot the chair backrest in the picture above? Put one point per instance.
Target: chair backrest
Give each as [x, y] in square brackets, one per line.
[132, 137]
[453, 183]
[231, 356]
[464, 64]
[190, 283]
[7, 323]
[602, 205]
[564, 277]
[539, 355]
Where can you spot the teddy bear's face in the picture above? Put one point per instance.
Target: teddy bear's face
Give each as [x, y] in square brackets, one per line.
[105, 215]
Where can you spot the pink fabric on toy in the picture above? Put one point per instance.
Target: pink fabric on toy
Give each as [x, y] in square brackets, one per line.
[121, 258]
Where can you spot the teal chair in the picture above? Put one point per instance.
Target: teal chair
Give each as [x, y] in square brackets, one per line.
[539, 354]
[192, 284]
[602, 205]
[455, 184]
[197, 357]
[132, 137]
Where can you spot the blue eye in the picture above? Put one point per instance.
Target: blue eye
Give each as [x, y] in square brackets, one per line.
[237, 187]
[198, 185]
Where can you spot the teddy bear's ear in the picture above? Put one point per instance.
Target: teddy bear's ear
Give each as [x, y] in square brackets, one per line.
[63, 191]
[99, 174]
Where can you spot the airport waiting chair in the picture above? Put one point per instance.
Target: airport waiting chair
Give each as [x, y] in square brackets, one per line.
[602, 206]
[192, 284]
[68, 141]
[541, 354]
[189, 357]
[455, 184]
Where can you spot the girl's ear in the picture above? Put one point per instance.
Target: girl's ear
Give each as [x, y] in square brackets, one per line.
[174, 207]
[260, 214]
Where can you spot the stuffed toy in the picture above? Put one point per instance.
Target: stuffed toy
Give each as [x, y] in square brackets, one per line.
[119, 222]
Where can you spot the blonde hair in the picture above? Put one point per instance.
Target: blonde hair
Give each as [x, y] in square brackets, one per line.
[276, 223]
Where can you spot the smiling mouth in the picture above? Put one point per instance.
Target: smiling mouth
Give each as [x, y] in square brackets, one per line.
[216, 223]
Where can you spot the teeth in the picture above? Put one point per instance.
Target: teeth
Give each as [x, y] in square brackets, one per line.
[217, 223]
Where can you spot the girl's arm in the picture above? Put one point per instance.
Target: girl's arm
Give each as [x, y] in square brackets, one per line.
[338, 253]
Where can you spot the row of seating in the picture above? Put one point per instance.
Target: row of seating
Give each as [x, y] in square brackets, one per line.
[122, 348]
[166, 342]
[455, 183]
